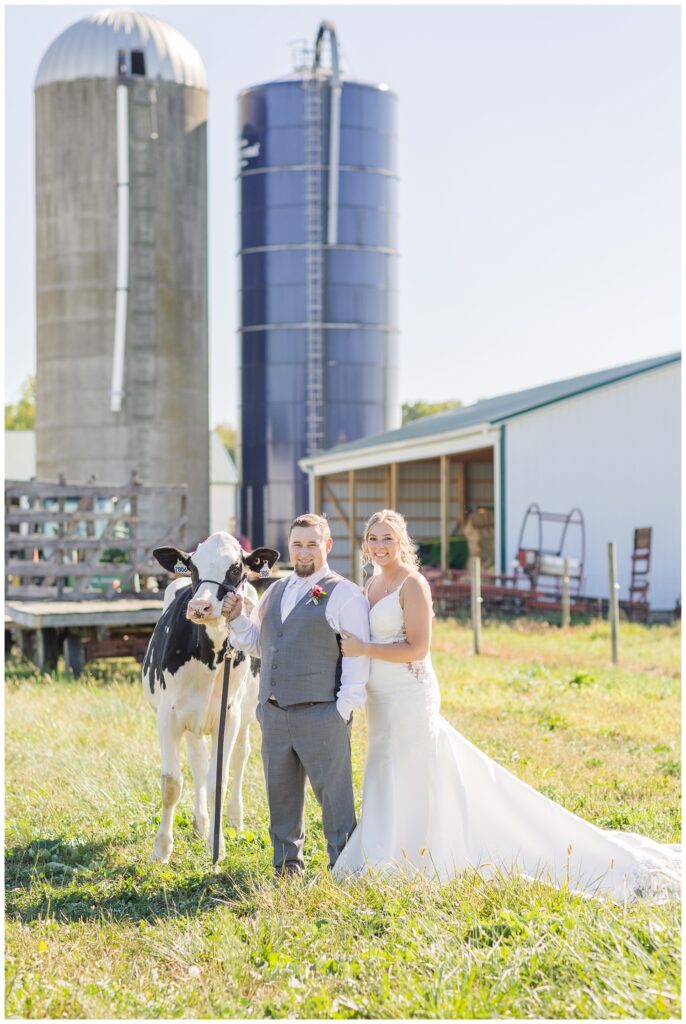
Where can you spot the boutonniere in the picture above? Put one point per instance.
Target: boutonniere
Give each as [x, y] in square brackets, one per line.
[316, 594]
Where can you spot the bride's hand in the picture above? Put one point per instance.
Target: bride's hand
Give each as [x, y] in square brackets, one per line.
[351, 647]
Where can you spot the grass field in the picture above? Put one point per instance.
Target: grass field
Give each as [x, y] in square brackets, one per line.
[94, 929]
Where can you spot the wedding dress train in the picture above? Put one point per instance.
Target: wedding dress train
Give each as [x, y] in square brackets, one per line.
[434, 803]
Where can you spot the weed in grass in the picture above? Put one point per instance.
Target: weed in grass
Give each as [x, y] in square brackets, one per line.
[582, 679]
[551, 719]
[672, 768]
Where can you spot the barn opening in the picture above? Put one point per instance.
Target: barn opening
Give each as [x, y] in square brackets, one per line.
[448, 501]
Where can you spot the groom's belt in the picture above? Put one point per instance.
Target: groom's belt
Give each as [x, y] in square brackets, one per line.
[303, 704]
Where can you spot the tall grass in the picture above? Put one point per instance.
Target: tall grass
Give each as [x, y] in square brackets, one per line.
[94, 929]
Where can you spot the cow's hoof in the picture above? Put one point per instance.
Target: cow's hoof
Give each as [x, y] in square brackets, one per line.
[201, 826]
[162, 850]
[234, 818]
[222, 849]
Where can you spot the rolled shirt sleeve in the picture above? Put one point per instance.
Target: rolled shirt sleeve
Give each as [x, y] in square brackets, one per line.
[348, 610]
[244, 632]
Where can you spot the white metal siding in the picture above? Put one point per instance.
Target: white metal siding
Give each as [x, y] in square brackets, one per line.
[20, 454]
[223, 509]
[615, 453]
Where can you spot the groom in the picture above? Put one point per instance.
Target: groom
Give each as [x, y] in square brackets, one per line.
[307, 690]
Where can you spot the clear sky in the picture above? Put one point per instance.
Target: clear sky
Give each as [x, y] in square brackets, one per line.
[539, 151]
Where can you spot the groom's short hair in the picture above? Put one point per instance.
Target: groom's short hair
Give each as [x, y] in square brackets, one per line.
[312, 519]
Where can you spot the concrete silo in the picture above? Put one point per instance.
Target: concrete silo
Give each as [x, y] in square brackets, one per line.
[318, 189]
[121, 261]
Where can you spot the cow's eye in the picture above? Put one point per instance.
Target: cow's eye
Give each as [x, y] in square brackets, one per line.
[233, 574]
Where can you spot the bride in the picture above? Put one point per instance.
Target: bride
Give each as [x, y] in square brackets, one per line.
[435, 804]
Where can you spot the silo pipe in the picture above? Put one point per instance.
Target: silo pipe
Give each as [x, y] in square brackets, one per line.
[122, 283]
[327, 27]
[334, 149]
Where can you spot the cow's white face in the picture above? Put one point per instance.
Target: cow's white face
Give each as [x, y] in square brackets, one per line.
[216, 565]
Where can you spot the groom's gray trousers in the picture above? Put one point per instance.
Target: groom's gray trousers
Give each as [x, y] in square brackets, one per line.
[303, 735]
[306, 741]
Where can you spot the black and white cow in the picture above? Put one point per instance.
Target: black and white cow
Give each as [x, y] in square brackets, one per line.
[183, 674]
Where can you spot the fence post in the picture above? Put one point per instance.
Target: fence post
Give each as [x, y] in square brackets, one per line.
[59, 550]
[476, 603]
[566, 617]
[613, 607]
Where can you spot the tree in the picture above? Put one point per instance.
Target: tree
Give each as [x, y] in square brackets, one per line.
[22, 416]
[418, 410]
[227, 435]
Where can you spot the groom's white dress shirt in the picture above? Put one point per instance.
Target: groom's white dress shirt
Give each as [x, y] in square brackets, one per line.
[346, 609]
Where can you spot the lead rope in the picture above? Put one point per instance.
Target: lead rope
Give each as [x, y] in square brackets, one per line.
[228, 659]
[220, 753]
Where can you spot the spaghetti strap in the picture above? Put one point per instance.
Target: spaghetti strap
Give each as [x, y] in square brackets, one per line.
[398, 589]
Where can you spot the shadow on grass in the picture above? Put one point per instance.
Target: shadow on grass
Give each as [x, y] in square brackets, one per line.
[73, 881]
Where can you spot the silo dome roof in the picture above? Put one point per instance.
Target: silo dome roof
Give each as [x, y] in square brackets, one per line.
[90, 48]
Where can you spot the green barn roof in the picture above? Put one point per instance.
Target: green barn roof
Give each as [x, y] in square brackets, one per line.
[502, 407]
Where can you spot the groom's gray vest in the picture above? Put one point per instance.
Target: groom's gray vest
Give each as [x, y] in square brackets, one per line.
[301, 661]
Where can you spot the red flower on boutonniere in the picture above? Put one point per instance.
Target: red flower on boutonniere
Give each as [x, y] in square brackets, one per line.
[316, 594]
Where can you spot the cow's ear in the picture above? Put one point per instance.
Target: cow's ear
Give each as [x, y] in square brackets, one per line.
[261, 560]
[174, 560]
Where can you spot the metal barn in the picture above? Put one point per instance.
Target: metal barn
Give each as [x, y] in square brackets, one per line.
[606, 443]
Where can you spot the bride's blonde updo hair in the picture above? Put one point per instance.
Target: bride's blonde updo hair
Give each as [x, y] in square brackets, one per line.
[396, 521]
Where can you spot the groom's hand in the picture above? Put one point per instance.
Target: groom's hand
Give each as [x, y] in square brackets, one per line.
[232, 606]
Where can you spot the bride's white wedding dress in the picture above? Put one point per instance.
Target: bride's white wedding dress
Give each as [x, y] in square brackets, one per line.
[433, 803]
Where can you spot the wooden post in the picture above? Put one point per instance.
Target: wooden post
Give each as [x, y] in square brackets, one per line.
[613, 609]
[58, 553]
[445, 497]
[133, 512]
[184, 519]
[460, 495]
[476, 604]
[566, 617]
[27, 643]
[74, 655]
[352, 519]
[393, 485]
[46, 649]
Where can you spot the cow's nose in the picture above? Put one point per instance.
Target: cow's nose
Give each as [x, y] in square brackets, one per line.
[199, 607]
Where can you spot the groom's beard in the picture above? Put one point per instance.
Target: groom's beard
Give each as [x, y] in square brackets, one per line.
[304, 570]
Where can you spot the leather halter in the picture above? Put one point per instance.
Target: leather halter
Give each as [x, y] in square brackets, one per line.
[224, 586]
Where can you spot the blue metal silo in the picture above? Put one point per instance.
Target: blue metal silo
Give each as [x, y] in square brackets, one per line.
[319, 279]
